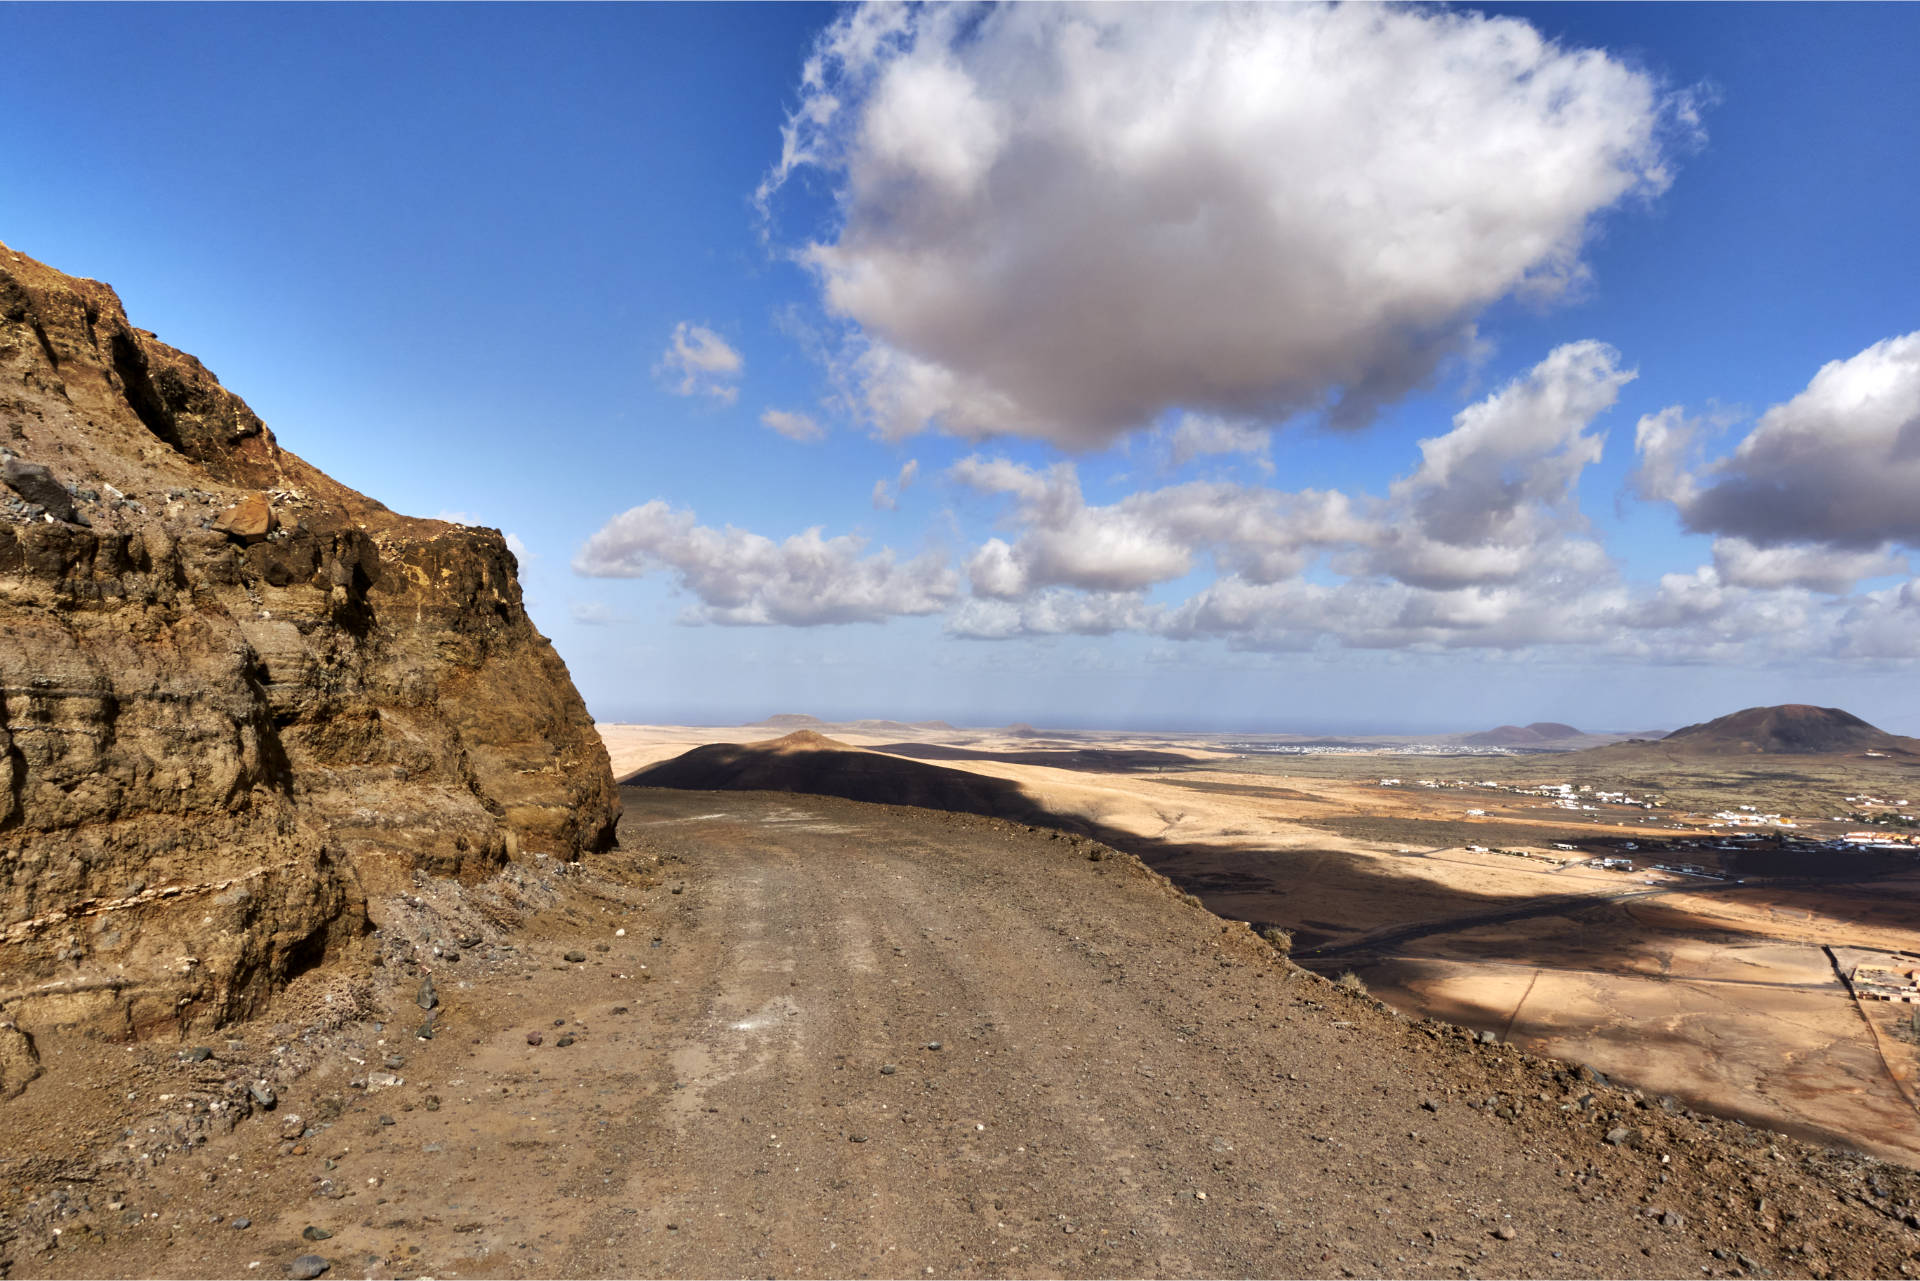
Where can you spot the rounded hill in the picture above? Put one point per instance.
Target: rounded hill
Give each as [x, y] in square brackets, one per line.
[1792, 729]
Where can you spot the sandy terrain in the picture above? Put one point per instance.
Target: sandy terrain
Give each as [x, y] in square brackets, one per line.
[839, 1039]
[1717, 993]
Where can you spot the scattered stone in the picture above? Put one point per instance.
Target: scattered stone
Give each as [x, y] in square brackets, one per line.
[1431, 1105]
[263, 1094]
[316, 1233]
[426, 998]
[1503, 1233]
[534, 1038]
[602, 947]
[1673, 1219]
[856, 1138]
[1622, 1135]
[431, 1103]
[1485, 1038]
[933, 1045]
[559, 1022]
[307, 1267]
[888, 1069]
[384, 1080]
[424, 1032]
[577, 958]
[292, 1125]
[619, 1009]
[242, 1224]
[198, 1054]
[395, 1062]
[679, 889]
[564, 1041]
[385, 1119]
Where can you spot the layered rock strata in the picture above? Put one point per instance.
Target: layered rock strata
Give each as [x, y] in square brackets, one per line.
[238, 700]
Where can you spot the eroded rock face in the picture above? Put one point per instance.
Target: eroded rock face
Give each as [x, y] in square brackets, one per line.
[239, 702]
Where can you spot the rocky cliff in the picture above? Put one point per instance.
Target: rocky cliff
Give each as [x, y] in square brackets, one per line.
[240, 703]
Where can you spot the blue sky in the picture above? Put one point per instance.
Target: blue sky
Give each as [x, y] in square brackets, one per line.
[1156, 304]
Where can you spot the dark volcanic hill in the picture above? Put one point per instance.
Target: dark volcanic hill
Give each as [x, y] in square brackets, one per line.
[811, 763]
[241, 705]
[1793, 729]
[1538, 733]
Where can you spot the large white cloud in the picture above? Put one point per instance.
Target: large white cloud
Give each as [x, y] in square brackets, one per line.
[742, 578]
[1483, 530]
[1838, 465]
[1058, 221]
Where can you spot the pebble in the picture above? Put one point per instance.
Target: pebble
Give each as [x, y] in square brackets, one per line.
[307, 1267]
[1485, 1038]
[426, 998]
[262, 1094]
[534, 1038]
[933, 1045]
[1673, 1219]
[1431, 1105]
[316, 1233]
[856, 1138]
[1620, 1134]
[431, 1103]
[888, 1069]
[601, 947]
[243, 1224]
[292, 1126]
[198, 1054]
[564, 1041]
[577, 958]
[1503, 1232]
[619, 1009]
[395, 1061]
[385, 1119]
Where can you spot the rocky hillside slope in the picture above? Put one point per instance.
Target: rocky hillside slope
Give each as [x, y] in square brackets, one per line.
[239, 702]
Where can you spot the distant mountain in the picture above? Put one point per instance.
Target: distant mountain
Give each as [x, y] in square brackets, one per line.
[1537, 734]
[1793, 729]
[793, 720]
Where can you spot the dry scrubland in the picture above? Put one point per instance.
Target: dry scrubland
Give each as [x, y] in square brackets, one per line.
[1718, 993]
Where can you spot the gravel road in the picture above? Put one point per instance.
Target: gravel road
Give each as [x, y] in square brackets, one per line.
[870, 1041]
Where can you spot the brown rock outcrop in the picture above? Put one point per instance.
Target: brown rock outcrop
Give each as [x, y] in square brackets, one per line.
[239, 702]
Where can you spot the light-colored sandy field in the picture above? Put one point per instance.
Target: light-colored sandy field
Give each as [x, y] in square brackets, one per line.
[1716, 993]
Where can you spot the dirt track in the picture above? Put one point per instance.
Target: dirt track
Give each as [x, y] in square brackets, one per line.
[1124, 1085]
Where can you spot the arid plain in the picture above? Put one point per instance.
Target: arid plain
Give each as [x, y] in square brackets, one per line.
[1465, 887]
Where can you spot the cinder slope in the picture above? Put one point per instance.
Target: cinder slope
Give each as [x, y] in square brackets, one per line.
[237, 698]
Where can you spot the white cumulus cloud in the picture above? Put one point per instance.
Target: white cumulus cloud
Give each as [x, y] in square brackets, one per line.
[1059, 221]
[699, 362]
[741, 578]
[1837, 466]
